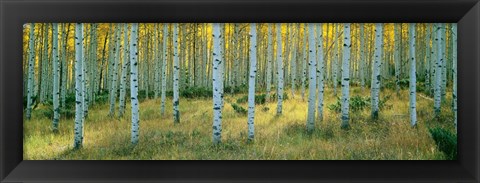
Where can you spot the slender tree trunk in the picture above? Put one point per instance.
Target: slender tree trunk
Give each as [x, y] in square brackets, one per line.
[312, 82]
[113, 85]
[304, 61]
[375, 86]
[279, 69]
[320, 71]
[126, 64]
[335, 62]
[217, 94]
[164, 68]
[31, 70]
[78, 133]
[362, 56]
[134, 83]
[346, 76]
[176, 75]
[438, 72]
[413, 77]
[56, 72]
[397, 59]
[269, 62]
[251, 81]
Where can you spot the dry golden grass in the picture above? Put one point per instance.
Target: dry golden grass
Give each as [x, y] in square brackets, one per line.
[276, 137]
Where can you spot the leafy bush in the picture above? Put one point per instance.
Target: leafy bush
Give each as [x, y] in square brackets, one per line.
[259, 99]
[403, 83]
[243, 99]
[273, 97]
[239, 109]
[196, 92]
[358, 103]
[446, 142]
[236, 90]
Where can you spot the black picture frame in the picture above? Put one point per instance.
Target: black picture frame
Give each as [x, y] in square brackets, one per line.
[13, 14]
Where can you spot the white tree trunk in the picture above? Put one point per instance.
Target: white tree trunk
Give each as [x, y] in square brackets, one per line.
[78, 131]
[375, 86]
[113, 89]
[216, 78]
[312, 82]
[125, 65]
[31, 70]
[362, 56]
[279, 69]
[454, 72]
[335, 62]
[251, 81]
[346, 75]
[397, 58]
[56, 79]
[320, 71]
[304, 61]
[134, 83]
[438, 72]
[164, 68]
[176, 76]
[413, 77]
[269, 62]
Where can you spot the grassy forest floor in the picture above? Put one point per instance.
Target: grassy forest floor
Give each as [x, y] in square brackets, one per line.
[276, 137]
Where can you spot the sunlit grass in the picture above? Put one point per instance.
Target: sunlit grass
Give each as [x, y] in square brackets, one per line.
[276, 137]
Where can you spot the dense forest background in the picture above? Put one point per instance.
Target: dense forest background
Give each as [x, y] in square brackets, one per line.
[279, 91]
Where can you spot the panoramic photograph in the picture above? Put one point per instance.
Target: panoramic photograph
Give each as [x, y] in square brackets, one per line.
[240, 91]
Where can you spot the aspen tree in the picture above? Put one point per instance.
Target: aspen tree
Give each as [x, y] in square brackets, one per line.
[251, 81]
[56, 79]
[279, 69]
[31, 71]
[413, 77]
[346, 76]
[375, 86]
[312, 83]
[176, 76]
[217, 94]
[134, 83]
[78, 130]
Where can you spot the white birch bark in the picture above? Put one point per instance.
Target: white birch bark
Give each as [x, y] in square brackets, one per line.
[134, 83]
[164, 68]
[346, 76]
[176, 76]
[125, 65]
[78, 130]
[413, 77]
[312, 83]
[279, 69]
[320, 71]
[375, 86]
[438, 72]
[216, 78]
[56, 79]
[31, 70]
[335, 62]
[397, 58]
[113, 85]
[251, 81]
[304, 61]
[362, 56]
[269, 62]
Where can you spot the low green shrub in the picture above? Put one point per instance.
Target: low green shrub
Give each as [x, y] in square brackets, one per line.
[446, 142]
[239, 109]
